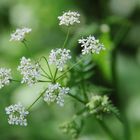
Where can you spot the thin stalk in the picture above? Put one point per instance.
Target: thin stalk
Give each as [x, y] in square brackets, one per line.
[29, 52]
[13, 80]
[69, 69]
[48, 66]
[43, 81]
[66, 39]
[81, 101]
[36, 99]
[107, 130]
[55, 74]
[47, 75]
[44, 76]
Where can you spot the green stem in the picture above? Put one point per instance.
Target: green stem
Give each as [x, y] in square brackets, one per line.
[36, 99]
[66, 38]
[69, 69]
[55, 74]
[28, 50]
[13, 80]
[107, 130]
[43, 81]
[48, 66]
[47, 75]
[81, 101]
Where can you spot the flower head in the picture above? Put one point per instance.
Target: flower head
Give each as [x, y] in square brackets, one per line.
[98, 105]
[19, 34]
[91, 45]
[55, 93]
[69, 18]
[5, 76]
[59, 57]
[17, 114]
[29, 71]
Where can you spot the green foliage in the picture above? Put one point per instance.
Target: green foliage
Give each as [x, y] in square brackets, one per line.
[122, 50]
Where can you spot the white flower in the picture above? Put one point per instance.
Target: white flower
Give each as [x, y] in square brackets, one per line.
[69, 18]
[29, 71]
[91, 45]
[5, 76]
[19, 34]
[55, 93]
[59, 57]
[17, 114]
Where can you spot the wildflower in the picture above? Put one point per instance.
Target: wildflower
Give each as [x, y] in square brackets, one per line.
[91, 45]
[19, 34]
[5, 76]
[69, 18]
[72, 127]
[17, 114]
[98, 105]
[59, 57]
[55, 93]
[29, 71]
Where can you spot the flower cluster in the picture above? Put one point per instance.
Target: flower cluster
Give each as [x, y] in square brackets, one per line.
[70, 127]
[98, 105]
[29, 71]
[69, 18]
[19, 34]
[55, 93]
[17, 114]
[5, 76]
[91, 45]
[59, 58]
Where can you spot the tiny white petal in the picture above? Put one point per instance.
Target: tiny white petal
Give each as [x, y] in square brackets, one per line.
[59, 58]
[29, 71]
[91, 45]
[17, 114]
[69, 18]
[5, 76]
[19, 34]
[55, 93]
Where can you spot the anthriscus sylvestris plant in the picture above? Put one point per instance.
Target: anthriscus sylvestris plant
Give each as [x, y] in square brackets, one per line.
[32, 72]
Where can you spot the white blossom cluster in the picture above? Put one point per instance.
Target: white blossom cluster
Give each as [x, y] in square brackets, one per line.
[29, 71]
[55, 93]
[5, 76]
[69, 18]
[59, 58]
[98, 104]
[91, 45]
[17, 114]
[19, 34]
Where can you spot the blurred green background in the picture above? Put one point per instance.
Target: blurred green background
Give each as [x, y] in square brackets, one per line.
[115, 22]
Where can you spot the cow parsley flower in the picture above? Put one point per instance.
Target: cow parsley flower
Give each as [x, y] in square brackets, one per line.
[91, 45]
[29, 71]
[5, 76]
[99, 105]
[17, 114]
[69, 18]
[19, 34]
[55, 93]
[59, 58]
